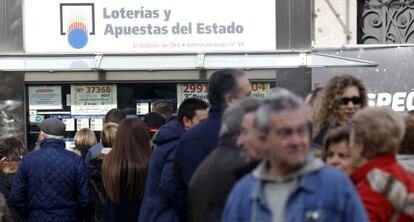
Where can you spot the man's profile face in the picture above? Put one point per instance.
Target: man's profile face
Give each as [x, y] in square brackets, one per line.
[249, 138]
[288, 140]
[244, 90]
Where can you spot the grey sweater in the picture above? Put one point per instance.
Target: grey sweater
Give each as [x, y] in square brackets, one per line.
[278, 189]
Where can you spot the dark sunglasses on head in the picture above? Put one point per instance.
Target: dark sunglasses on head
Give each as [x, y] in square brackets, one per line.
[356, 100]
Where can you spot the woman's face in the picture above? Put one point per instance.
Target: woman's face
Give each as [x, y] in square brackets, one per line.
[350, 102]
[338, 156]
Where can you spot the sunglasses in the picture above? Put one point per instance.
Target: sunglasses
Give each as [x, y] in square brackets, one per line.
[356, 100]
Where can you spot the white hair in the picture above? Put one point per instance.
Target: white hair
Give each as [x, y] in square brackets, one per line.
[52, 136]
[283, 102]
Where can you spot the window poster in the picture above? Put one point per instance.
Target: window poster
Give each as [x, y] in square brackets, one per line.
[45, 97]
[93, 99]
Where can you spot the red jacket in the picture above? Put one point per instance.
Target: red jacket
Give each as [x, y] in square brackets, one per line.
[384, 187]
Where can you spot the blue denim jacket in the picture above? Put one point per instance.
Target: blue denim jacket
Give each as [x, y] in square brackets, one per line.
[323, 195]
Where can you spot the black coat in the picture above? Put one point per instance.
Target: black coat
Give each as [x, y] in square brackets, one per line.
[193, 147]
[213, 181]
[127, 208]
[97, 189]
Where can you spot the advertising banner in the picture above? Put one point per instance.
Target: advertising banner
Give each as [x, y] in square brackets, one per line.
[45, 97]
[149, 26]
[390, 84]
[93, 99]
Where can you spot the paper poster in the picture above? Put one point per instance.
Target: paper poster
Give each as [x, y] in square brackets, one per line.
[93, 99]
[260, 89]
[45, 97]
[70, 124]
[82, 123]
[142, 108]
[96, 124]
[191, 90]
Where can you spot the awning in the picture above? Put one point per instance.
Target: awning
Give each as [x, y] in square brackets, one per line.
[115, 62]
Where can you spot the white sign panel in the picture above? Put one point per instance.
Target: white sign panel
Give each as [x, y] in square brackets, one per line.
[191, 90]
[45, 97]
[82, 123]
[149, 26]
[93, 99]
[70, 124]
[96, 124]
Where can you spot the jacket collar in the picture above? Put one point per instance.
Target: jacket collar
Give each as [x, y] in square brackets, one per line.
[215, 111]
[52, 143]
[306, 179]
[228, 143]
[360, 174]
[9, 167]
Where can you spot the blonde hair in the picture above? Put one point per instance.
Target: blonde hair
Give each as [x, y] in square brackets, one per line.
[326, 112]
[380, 130]
[85, 137]
[108, 134]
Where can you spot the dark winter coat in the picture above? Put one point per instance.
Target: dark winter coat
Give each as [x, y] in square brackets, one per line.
[193, 147]
[126, 210]
[97, 189]
[157, 203]
[51, 185]
[213, 181]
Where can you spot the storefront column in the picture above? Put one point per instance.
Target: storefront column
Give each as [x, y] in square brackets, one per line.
[294, 31]
[12, 114]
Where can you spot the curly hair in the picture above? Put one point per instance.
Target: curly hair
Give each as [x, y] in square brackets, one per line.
[407, 145]
[326, 104]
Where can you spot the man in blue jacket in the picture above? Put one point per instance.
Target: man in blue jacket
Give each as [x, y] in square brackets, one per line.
[290, 184]
[51, 183]
[225, 87]
[157, 202]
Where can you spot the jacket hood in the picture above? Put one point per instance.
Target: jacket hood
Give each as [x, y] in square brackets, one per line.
[170, 131]
[312, 164]
[9, 167]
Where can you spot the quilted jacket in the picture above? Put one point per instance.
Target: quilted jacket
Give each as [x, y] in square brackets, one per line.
[51, 185]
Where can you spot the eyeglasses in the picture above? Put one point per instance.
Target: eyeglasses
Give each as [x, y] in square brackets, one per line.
[356, 100]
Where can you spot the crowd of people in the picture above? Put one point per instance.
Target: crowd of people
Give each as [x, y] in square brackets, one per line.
[326, 158]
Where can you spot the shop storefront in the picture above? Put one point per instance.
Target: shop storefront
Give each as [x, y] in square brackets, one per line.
[80, 59]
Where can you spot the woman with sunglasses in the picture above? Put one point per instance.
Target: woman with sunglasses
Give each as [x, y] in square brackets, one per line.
[338, 102]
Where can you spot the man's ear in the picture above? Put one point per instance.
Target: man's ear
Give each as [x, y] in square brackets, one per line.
[187, 122]
[228, 99]
[42, 136]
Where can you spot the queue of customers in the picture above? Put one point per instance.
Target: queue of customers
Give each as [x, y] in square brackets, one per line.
[328, 158]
